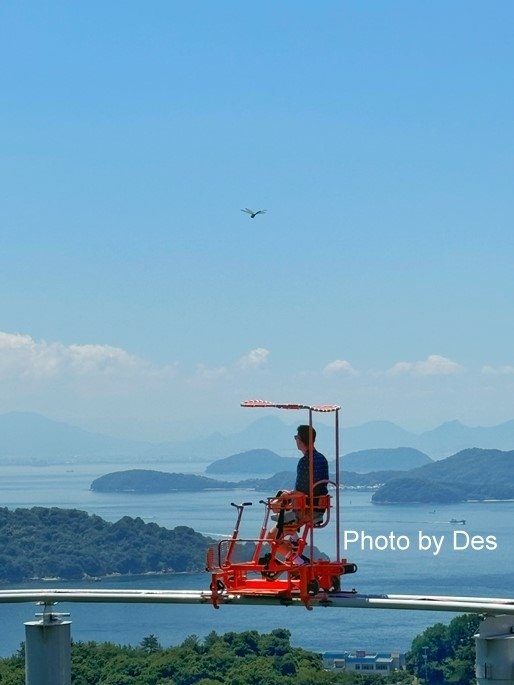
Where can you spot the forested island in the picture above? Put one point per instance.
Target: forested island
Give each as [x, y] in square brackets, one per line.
[418, 490]
[67, 543]
[472, 474]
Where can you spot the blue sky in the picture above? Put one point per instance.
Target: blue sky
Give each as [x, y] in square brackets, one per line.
[135, 296]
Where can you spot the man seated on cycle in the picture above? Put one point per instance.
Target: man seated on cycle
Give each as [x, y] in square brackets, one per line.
[292, 508]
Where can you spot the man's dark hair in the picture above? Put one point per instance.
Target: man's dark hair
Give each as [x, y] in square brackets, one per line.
[304, 432]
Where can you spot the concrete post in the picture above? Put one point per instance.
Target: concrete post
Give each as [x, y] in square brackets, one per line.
[495, 651]
[48, 650]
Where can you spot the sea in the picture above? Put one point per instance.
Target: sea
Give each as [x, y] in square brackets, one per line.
[459, 549]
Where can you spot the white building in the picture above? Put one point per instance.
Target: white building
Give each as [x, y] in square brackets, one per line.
[380, 663]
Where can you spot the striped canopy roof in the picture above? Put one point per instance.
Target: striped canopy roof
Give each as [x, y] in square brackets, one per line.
[291, 405]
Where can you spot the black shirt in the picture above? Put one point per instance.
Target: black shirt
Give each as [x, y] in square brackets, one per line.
[320, 473]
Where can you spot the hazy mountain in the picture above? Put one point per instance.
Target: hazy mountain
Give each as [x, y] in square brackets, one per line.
[267, 432]
[375, 434]
[391, 459]
[453, 436]
[270, 432]
[438, 443]
[30, 436]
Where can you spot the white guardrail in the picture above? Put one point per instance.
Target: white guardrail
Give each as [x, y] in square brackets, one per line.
[48, 641]
[480, 605]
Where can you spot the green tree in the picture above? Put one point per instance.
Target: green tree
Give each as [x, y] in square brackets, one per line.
[428, 651]
[461, 629]
[445, 653]
[230, 659]
[150, 644]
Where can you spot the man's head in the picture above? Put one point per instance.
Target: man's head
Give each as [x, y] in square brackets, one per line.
[302, 436]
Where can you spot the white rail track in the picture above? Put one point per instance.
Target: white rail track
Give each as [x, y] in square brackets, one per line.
[482, 605]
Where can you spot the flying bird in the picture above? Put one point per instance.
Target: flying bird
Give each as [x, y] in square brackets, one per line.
[252, 213]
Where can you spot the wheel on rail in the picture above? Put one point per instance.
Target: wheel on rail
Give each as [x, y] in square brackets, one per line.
[219, 586]
[312, 587]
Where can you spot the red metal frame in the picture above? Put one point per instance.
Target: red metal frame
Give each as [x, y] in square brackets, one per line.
[276, 573]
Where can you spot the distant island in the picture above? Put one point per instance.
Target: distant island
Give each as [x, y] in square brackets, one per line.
[151, 481]
[266, 462]
[367, 481]
[392, 459]
[42, 542]
[148, 481]
[260, 461]
[472, 474]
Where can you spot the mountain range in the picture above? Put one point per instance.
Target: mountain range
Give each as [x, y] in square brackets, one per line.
[26, 436]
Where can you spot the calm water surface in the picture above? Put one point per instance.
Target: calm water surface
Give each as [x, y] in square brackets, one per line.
[474, 572]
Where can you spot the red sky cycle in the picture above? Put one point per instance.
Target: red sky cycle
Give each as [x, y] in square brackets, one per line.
[283, 562]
